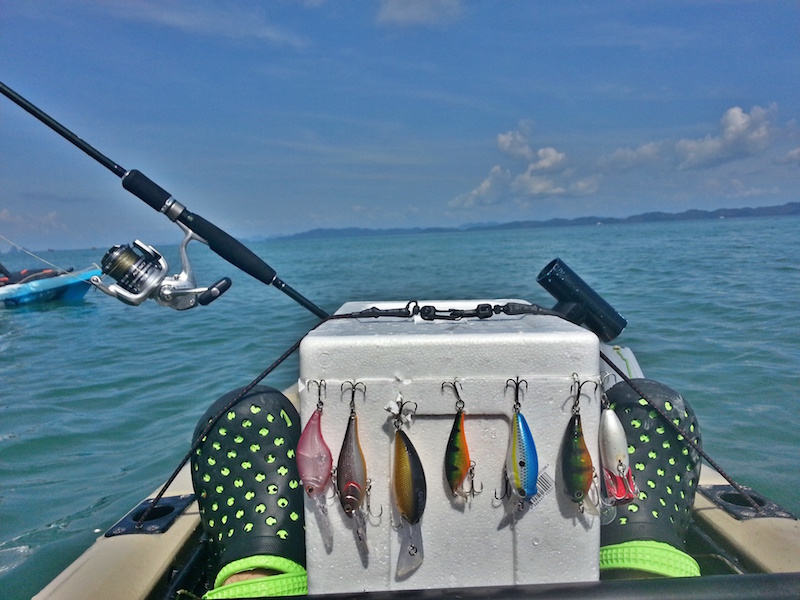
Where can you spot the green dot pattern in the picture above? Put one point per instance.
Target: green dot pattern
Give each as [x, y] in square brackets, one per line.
[665, 469]
[245, 476]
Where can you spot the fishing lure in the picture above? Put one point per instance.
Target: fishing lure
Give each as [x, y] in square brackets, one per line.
[522, 462]
[314, 459]
[457, 464]
[351, 468]
[410, 494]
[577, 471]
[314, 462]
[408, 479]
[617, 475]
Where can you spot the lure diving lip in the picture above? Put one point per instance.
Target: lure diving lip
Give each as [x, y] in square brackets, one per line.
[617, 474]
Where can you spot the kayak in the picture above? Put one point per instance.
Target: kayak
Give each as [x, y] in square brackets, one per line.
[48, 285]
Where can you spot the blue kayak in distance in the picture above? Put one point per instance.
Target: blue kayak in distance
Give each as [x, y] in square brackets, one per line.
[29, 287]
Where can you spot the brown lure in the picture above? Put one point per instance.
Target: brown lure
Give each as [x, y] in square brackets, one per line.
[408, 479]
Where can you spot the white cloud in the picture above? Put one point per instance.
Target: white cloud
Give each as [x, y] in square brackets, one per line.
[740, 135]
[586, 186]
[793, 156]
[541, 177]
[529, 184]
[549, 159]
[490, 191]
[418, 12]
[626, 158]
[515, 144]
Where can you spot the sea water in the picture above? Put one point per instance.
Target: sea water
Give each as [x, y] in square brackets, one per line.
[98, 399]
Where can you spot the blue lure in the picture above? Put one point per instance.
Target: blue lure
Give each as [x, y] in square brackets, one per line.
[522, 462]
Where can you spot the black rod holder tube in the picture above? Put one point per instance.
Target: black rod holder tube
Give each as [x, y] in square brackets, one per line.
[579, 303]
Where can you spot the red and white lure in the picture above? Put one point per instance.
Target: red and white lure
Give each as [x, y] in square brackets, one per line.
[314, 462]
[617, 475]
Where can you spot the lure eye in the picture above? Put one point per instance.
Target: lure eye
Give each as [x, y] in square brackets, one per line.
[310, 489]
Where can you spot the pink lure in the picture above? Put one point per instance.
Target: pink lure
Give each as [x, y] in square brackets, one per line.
[314, 459]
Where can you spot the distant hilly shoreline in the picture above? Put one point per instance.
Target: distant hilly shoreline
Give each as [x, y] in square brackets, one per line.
[788, 209]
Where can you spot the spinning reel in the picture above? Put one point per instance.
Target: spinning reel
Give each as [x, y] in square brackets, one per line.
[143, 274]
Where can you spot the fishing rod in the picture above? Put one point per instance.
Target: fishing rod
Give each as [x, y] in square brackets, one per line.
[140, 270]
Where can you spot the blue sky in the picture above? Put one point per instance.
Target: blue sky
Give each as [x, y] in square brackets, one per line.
[276, 117]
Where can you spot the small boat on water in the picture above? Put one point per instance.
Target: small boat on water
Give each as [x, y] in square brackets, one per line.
[33, 286]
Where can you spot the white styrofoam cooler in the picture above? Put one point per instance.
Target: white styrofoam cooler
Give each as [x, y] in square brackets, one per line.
[475, 543]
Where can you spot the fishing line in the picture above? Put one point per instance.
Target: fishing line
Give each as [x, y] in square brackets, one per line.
[689, 442]
[60, 270]
[213, 421]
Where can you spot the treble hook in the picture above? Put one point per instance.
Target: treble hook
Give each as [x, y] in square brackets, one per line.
[516, 383]
[354, 385]
[506, 489]
[472, 492]
[604, 401]
[401, 411]
[455, 384]
[577, 384]
[321, 388]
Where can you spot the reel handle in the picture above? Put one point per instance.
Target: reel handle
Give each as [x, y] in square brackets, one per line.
[214, 291]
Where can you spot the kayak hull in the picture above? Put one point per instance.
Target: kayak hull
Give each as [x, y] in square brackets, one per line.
[69, 287]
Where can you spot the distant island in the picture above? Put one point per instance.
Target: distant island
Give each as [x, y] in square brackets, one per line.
[788, 209]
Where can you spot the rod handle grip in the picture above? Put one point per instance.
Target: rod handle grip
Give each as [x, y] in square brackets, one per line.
[228, 247]
[144, 188]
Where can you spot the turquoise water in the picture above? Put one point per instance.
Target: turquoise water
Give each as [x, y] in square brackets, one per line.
[98, 399]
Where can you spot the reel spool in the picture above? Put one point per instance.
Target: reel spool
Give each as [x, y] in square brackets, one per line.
[140, 272]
